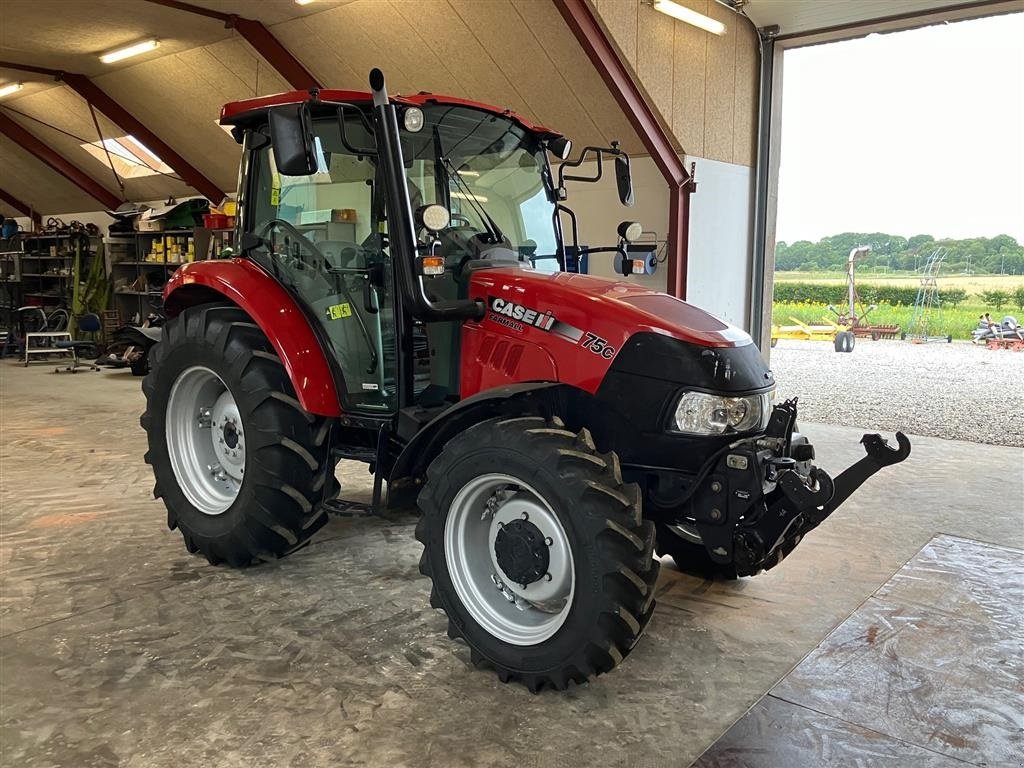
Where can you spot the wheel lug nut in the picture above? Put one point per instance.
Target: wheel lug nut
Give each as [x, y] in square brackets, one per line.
[547, 577]
[548, 541]
[525, 516]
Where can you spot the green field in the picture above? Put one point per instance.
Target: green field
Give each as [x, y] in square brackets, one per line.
[956, 321]
[973, 284]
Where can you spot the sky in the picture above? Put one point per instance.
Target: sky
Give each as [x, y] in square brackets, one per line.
[917, 132]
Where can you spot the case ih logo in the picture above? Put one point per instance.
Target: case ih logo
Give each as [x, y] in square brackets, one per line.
[517, 316]
[525, 315]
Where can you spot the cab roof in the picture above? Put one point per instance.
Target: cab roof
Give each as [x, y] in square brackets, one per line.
[250, 110]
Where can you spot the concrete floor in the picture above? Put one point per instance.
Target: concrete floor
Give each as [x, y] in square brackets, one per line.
[120, 649]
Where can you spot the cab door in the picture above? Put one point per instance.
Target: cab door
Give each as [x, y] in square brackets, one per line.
[321, 237]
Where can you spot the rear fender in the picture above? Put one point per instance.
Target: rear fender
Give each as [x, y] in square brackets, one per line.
[272, 308]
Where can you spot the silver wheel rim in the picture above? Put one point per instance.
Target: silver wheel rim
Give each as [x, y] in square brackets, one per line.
[514, 613]
[205, 440]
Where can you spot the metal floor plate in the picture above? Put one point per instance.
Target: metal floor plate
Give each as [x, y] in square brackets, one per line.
[926, 672]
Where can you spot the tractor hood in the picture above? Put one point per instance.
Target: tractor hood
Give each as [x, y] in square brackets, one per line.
[613, 309]
[585, 331]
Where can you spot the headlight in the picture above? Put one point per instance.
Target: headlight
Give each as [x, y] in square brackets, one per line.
[698, 413]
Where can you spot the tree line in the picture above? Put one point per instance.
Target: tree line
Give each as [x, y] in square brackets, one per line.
[1001, 254]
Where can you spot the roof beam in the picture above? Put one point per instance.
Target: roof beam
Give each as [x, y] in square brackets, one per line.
[581, 19]
[33, 145]
[259, 37]
[191, 175]
[98, 98]
[16, 204]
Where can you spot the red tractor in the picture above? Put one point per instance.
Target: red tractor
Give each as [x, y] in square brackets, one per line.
[400, 296]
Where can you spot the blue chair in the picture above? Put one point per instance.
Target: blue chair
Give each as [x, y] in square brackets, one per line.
[89, 323]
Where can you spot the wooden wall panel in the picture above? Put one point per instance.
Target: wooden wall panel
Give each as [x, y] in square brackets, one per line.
[747, 65]
[655, 50]
[512, 46]
[575, 68]
[620, 18]
[720, 88]
[690, 73]
[474, 74]
[703, 85]
[36, 184]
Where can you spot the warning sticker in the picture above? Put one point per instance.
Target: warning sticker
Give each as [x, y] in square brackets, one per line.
[338, 311]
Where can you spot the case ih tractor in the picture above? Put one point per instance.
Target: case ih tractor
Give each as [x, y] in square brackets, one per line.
[400, 297]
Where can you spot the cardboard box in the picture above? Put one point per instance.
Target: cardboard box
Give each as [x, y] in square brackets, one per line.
[149, 225]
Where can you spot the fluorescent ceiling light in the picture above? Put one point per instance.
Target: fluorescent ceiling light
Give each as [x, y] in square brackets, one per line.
[7, 90]
[681, 12]
[303, 2]
[128, 51]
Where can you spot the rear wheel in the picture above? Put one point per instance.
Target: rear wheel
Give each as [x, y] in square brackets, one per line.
[537, 551]
[686, 549]
[241, 467]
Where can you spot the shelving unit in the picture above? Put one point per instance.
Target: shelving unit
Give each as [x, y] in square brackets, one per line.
[10, 290]
[138, 278]
[46, 269]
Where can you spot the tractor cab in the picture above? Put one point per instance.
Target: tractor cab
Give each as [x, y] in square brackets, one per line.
[475, 191]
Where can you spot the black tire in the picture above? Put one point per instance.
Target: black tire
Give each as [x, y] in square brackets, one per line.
[290, 467]
[612, 547]
[844, 341]
[690, 557]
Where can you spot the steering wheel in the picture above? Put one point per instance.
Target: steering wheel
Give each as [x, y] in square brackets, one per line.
[291, 229]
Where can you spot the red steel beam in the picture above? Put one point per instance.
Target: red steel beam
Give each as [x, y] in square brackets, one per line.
[16, 204]
[602, 54]
[96, 96]
[260, 38]
[32, 144]
[279, 57]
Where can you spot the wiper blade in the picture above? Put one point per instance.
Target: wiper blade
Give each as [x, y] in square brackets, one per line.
[492, 228]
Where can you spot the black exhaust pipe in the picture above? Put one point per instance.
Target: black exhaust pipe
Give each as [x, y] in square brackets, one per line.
[401, 231]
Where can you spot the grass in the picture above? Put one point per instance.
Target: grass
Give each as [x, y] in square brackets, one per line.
[955, 321]
[973, 284]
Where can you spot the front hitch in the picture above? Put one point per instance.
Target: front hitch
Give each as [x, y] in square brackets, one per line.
[879, 454]
[804, 503]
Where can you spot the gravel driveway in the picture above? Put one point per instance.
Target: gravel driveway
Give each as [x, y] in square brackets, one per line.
[957, 391]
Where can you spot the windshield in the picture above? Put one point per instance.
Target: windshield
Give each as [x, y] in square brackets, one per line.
[490, 173]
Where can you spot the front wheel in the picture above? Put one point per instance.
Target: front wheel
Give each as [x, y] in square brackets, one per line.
[241, 467]
[537, 551]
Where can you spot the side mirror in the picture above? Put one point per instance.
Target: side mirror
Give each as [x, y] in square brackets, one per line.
[291, 133]
[624, 180]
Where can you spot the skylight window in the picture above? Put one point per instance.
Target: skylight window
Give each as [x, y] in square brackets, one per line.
[129, 156]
